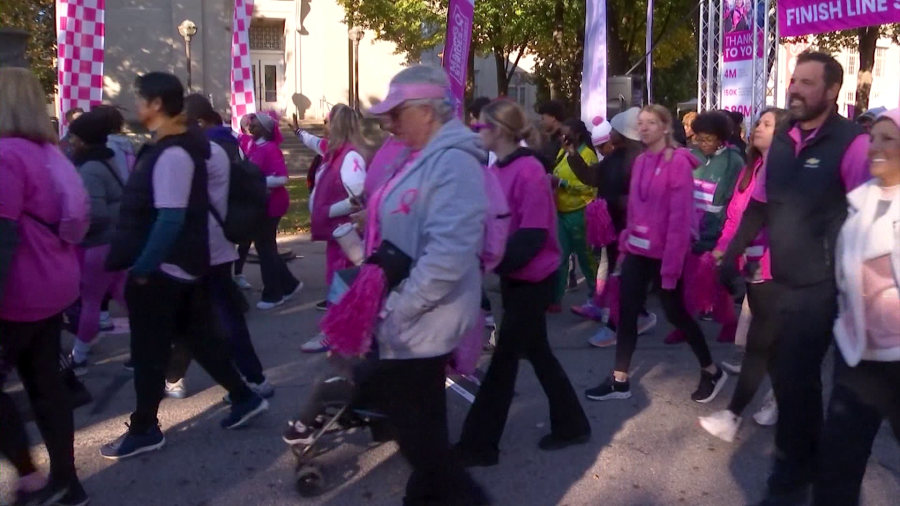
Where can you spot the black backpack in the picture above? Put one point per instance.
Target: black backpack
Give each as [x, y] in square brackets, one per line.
[247, 198]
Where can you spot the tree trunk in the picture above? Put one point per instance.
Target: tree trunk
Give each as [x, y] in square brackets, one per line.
[502, 77]
[559, 21]
[868, 39]
[615, 56]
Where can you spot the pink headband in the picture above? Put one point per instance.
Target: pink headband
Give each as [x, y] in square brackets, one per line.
[399, 93]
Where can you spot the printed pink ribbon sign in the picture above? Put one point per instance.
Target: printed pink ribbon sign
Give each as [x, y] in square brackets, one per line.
[456, 50]
[80, 41]
[804, 17]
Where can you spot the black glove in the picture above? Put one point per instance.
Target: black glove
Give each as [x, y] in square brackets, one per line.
[395, 263]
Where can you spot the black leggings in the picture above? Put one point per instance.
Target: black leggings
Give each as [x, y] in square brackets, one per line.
[637, 274]
[243, 251]
[760, 344]
[33, 348]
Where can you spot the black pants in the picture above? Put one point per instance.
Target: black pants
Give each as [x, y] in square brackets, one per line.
[164, 311]
[523, 334]
[759, 352]
[805, 317]
[33, 348]
[863, 397]
[637, 274]
[243, 250]
[412, 395]
[277, 278]
[229, 326]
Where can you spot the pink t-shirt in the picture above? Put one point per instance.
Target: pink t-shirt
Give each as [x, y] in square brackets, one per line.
[45, 274]
[524, 181]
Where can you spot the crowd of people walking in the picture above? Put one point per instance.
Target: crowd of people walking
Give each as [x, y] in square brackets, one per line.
[798, 224]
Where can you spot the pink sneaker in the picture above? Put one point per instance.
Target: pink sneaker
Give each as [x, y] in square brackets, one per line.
[588, 311]
[675, 337]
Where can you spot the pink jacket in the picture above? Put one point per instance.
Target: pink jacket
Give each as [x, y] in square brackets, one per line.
[270, 160]
[660, 211]
[758, 251]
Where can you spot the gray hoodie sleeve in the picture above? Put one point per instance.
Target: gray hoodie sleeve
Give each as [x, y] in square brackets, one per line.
[94, 175]
[454, 232]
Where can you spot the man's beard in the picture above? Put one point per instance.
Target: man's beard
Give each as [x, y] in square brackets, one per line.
[807, 112]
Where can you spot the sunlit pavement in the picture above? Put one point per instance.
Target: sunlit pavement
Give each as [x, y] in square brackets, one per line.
[648, 450]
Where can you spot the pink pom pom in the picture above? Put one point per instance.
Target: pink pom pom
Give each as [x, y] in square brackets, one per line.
[597, 120]
[600, 229]
[701, 289]
[466, 355]
[350, 324]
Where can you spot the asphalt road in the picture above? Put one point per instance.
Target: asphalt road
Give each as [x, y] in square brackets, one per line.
[648, 450]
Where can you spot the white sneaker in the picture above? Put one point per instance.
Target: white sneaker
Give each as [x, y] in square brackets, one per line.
[263, 305]
[318, 344]
[106, 322]
[176, 390]
[489, 321]
[768, 413]
[646, 323]
[242, 282]
[722, 424]
[604, 338]
[295, 292]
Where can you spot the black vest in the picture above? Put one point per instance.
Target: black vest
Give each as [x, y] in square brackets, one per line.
[807, 202]
[138, 213]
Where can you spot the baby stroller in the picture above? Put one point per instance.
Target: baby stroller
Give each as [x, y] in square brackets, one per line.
[337, 405]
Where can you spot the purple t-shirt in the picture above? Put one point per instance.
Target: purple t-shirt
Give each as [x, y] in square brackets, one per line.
[524, 182]
[45, 274]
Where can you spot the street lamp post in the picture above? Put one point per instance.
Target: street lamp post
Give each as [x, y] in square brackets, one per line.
[356, 35]
[188, 29]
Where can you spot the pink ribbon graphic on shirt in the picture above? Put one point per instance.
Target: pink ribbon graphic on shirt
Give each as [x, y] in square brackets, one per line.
[356, 167]
[406, 201]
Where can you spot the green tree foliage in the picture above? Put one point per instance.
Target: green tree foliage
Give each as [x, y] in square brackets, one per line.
[39, 18]
[865, 41]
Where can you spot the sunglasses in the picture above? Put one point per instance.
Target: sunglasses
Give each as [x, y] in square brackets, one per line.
[477, 127]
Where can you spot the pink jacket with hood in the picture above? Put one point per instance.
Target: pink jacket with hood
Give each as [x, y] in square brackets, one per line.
[661, 220]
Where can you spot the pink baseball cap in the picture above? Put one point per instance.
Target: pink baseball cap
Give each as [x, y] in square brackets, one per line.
[893, 115]
[399, 93]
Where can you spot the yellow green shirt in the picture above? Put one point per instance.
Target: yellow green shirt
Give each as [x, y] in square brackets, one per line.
[574, 195]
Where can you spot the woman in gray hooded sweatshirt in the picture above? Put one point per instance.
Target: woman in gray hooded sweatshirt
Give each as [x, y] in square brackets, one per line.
[432, 209]
[104, 184]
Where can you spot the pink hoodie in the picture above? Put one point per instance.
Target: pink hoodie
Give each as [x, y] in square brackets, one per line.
[661, 210]
[270, 160]
[758, 251]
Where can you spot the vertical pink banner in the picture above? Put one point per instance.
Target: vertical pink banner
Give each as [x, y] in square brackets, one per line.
[456, 49]
[243, 100]
[80, 32]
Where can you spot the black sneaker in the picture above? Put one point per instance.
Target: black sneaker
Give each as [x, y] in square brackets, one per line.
[710, 386]
[473, 458]
[131, 444]
[243, 412]
[322, 305]
[76, 496]
[298, 434]
[610, 389]
[798, 498]
[129, 365]
[47, 496]
[552, 442]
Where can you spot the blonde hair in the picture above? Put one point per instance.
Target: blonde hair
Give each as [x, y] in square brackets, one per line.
[345, 125]
[23, 107]
[509, 117]
[665, 117]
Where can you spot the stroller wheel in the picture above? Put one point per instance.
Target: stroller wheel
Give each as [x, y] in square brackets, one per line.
[309, 481]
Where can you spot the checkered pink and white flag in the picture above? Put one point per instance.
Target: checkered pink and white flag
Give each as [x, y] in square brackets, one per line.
[80, 40]
[243, 100]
